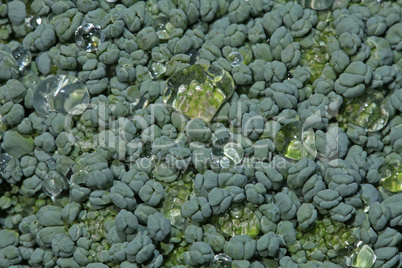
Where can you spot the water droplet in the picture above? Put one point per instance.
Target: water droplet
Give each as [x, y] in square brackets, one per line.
[363, 256]
[22, 56]
[51, 163]
[235, 58]
[194, 55]
[139, 101]
[162, 27]
[369, 111]
[89, 36]
[53, 185]
[227, 152]
[221, 261]
[33, 22]
[79, 177]
[111, 1]
[59, 94]
[157, 68]
[296, 141]
[198, 90]
[316, 4]
[4, 159]
[391, 176]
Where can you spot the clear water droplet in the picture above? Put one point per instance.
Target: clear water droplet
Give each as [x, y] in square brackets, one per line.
[139, 102]
[221, 261]
[162, 27]
[4, 159]
[111, 1]
[89, 36]
[53, 185]
[51, 163]
[22, 56]
[194, 55]
[369, 111]
[235, 58]
[198, 90]
[391, 176]
[316, 4]
[33, 22]
[296, 141]
[79, 174]
[227, 152]
[363, 256]
[157, 68]
[59, 94]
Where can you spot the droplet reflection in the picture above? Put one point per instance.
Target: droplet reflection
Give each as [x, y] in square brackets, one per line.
[59, 94]
[89, 36]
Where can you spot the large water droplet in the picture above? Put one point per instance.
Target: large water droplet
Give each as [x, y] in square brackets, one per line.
[221, 261]
[296, 141]
[362, 257]
[198, 90]
[391, 176]
[316, 4]
[227, 152]
[89, 36]
[157, 68]
[369, 111]
[59, 94]
[22, 56]
[235, 58]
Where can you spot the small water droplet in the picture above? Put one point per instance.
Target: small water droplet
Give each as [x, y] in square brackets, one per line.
[194, 55]
[391, 176]
[53, 185]
[235, 58]
[33, 22]
[369, 111]
[162, 27]
[157, 68]
[227, 152]
[22, 56]
[51, 163]
[295, 141]
[79, 177]
[221, 261]
[59, 94]
[89, 36]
